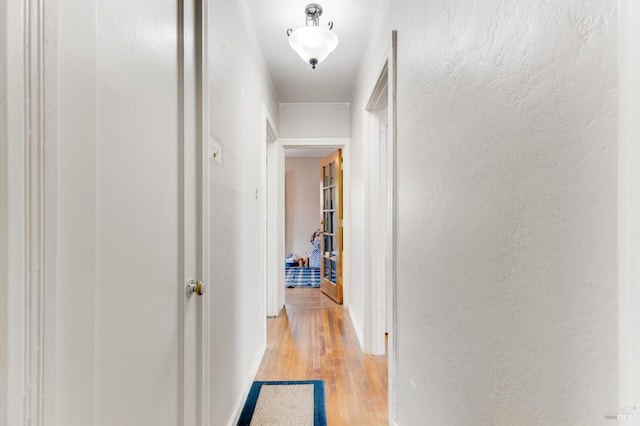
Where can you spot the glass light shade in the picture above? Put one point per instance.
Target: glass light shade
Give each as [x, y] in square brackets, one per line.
[313, 43]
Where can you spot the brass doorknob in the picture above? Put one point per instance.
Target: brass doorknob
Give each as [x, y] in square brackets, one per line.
[195, 287]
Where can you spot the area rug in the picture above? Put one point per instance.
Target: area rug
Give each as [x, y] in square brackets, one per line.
[273, 403]
[302, 277]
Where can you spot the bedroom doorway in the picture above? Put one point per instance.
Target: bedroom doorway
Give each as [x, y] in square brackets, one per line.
[303, 217]
[279, 242]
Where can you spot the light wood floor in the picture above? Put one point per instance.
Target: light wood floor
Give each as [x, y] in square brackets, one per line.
[314, 339]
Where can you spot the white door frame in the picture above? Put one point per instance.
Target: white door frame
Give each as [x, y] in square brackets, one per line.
[380, 221]
[629, 208]
[378, 235]
[270, 220]
[201, 67]
[28, 213]
[276, 215]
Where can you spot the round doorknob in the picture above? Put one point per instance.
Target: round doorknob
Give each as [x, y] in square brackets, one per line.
[196, 287]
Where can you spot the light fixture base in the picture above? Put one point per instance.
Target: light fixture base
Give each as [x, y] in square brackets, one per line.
[313, 9]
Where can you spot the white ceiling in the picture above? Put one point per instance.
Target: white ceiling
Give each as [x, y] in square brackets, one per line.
[333, 79]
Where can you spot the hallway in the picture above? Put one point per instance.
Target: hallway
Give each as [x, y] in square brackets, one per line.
[313, 338]
[142, 150]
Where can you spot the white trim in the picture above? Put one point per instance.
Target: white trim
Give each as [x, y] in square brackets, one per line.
[392, 365]
[31, 214]
[357, 327]
[377, 210]
[374, 326]
[269, 198]
[204, 268]
[255, 366]
[279, 209]
[629, 206]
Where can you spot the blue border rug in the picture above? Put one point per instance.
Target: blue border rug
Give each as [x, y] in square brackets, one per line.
[302, 277]
[319, 414]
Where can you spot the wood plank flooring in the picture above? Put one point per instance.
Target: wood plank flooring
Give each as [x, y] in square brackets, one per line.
[313, 338]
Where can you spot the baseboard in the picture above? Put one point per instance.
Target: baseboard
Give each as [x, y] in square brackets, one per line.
[255, 366]
[358, 330]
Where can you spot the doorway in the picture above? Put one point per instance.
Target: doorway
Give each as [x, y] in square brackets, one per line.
[276, 211]
[379, 237]
[303, 216]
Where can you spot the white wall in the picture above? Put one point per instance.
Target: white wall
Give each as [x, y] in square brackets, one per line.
[238, 87]
[507, 282]
[330, 120]
[302, 203]
[507, 212]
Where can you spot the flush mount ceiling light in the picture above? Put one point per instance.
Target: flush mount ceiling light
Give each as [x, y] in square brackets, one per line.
[313, 43]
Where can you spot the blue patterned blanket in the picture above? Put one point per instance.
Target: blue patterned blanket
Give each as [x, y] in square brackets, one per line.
[302, 277]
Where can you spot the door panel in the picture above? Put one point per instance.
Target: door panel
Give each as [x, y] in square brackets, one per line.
[146, 230]
[331, 246]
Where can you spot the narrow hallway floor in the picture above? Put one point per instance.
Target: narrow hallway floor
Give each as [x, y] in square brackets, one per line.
[315, 339]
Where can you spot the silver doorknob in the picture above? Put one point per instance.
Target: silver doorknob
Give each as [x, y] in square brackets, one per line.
[196, 287]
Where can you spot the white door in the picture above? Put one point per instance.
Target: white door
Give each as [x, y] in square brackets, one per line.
[148, 359]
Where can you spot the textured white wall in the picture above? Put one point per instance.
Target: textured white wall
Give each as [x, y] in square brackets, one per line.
[238, 87]
[507, 283]
[302, 203]
[314, 121]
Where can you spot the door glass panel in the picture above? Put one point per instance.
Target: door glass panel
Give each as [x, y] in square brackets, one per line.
[327, 269]
[332, 173]
[327, 175]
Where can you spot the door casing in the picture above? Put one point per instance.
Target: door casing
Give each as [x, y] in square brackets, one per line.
[276, 211]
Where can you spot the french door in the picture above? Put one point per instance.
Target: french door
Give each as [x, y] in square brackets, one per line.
[331, 226]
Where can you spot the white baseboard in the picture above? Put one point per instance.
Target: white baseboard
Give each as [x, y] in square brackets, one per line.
[358, 330]
[255, 366]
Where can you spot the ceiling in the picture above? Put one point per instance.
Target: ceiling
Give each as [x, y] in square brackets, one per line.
[333, 79]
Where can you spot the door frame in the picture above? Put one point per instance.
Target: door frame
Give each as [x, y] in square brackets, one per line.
[380, 277]
[628, 206]
[269, 205]
[276, 211]
[201, 45]
[378, 235]
[28, 218]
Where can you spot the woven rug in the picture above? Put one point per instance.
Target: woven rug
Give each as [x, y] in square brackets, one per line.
[302, 277]
[299, 403]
